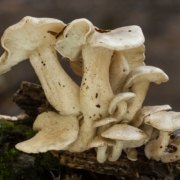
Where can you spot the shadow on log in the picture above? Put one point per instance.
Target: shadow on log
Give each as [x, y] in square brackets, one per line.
[30, 97]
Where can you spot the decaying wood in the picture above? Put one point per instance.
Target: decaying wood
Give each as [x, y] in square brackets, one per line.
[123, 168]
[30, 97]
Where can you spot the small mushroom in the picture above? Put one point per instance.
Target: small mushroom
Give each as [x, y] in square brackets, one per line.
[122, 133]
[55, 132]
[118, 105]
[147, 111]
[132, 154]
[174, 156]
[138, 82]
[166, 122]
[103, 143]
[34, 38]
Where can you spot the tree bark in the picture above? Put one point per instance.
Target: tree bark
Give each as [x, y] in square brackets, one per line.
[30, 97]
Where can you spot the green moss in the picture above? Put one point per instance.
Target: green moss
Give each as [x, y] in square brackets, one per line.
[15, 164]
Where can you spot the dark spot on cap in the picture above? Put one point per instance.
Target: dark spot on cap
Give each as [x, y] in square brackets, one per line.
[96, 95]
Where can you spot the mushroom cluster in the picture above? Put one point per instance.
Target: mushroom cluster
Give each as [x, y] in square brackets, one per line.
[106, 112]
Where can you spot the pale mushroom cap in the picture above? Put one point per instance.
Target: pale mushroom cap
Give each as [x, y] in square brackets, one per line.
[165, 121]
[55, 132]
[124, 132]
[104, 121]
[146, 111]
[127, 96]
[118, 39]
[69, 42]
[21, 39]
[145, 73]
[82, 31]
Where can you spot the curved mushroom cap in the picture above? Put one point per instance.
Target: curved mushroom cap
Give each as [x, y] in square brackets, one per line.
[81, 31]
[124, 132]
[127, 96]
[104, 121]
[69, 42]
[145, 73]
[165, 121]
[55, 132]
[22, 38]
[146, 111]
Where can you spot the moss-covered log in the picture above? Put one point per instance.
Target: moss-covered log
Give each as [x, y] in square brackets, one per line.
[31, 99]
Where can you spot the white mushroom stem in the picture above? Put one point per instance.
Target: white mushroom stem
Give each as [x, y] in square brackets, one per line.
[102, 154]
[101, 142]
[118, 71]
[95, 92]
[116, 151]
[155, 149]
[60, 90]
[136, 103]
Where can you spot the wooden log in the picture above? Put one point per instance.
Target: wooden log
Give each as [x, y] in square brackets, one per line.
[30, 97]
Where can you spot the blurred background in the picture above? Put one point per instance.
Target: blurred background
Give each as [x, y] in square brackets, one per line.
[159, 20]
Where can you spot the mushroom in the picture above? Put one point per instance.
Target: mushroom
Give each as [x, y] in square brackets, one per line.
[138, 82]
[100, 142]
[122, 133]
[146, 111]
[131, 154]
[34, 38]
[173, 156]
[129, 146]
[118, 105]
[123, 62]
[166, 122]
[81, 39]
[55, 132]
